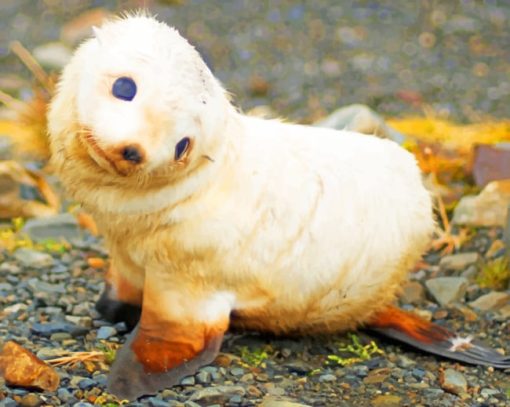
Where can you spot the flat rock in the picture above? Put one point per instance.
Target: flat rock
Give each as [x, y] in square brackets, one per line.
[33, 258]
[22, 368]
[491, 301]
[106, 332]
[48, 329]
[446, 290]
[412, 293]
[488, 208]
[387, 400]
[219, 394]
[459, 261]
[453, 381]
[271, 401]
[362, 119]
[62, 226]
[37, 285]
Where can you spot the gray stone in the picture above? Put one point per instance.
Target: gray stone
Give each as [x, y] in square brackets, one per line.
[203, 377]
[362, 119]
[86, 384]
[219, 394]
[37, 285]
[488, 208]
[50, 328]
[453, 382]
[271, 401]
[412, 293]
[489, 392]
[64, 395]
[62, 226]
[106, 332]
[49, 353]
[459, 261]
[447, 290]
[237, 371]
[155, 402]
[491, 301]
[34, 259]
[8, 402]
[60, 336]
[327, 378]
[52, 55]
[188, 381]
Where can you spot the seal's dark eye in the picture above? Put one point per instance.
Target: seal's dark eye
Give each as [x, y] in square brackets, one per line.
[124, 88]
[181, 147]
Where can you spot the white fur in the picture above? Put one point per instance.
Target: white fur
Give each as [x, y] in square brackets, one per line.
[321, 221]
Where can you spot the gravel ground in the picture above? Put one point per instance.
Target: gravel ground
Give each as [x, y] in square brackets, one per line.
[303, 61]
[48, 302]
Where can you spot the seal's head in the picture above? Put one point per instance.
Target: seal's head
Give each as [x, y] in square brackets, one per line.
[136, 104]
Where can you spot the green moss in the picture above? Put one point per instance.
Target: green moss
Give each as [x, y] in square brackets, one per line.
[255, 357]
[495, 274]
[354, 352]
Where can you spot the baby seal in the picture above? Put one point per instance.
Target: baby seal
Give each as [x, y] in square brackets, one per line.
[214, 218]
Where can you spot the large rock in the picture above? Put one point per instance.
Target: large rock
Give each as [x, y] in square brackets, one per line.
[453, 381]
[22, 368]
[271, 401]
[53, 55]
[489, 208]
[63, 226]
[492, 301]
[447, 290]
[218, 394]
[33, 258]
[459, 261]
[362, 119]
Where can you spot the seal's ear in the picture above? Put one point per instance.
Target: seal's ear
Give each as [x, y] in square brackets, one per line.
[97, 33]
[179, 331]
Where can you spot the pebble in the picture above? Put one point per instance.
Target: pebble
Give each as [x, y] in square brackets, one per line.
[271, 401]
[64, 395]
[34, 259]
[203, 377]
[156, 402]
[53, 55]
[62, 226]
[37, 286]
[446, 290]
[237, 371]
[86, 383]
[8, 402]
[491, 301]
[488, 208]
[47, 329]
[387, 400]
[219, 394]
[30, 400]
[106, 332]
[327, 378]
[453, 381]
[459, 261]
[362, 119]
[412, 293]
[188, 381]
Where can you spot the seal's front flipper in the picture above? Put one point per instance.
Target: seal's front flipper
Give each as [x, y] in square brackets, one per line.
[180, 330]
[120, 301]
[429, 337]
[130, 378]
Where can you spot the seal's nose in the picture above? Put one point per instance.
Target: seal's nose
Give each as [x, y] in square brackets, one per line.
[132, 154]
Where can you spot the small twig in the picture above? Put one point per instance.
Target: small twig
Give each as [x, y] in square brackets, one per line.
[76, 357]
[13, 103]
[30, 62]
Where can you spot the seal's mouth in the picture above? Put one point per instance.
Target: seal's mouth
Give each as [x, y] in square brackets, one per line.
[123, 159]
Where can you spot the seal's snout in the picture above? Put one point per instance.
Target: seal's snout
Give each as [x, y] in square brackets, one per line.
[132, 154]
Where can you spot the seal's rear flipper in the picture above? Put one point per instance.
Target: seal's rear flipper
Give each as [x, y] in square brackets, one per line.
[412, 330]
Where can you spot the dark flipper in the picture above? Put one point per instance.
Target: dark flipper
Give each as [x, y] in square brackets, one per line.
[432, 338]
[129, 379]
[118, 311]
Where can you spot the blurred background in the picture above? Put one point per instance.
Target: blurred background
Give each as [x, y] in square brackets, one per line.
[305, 59]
